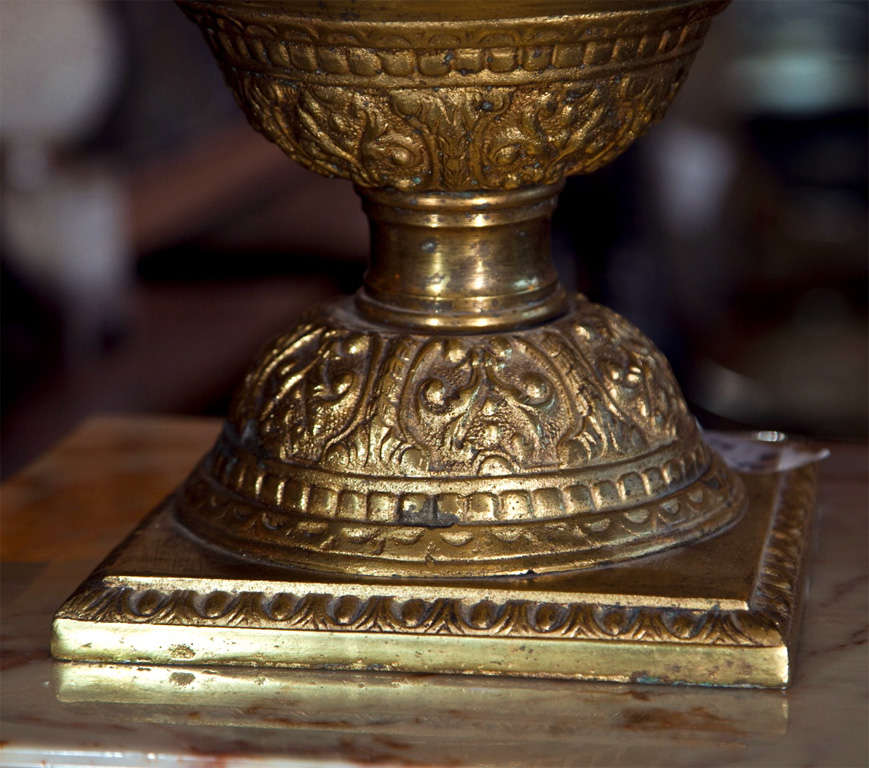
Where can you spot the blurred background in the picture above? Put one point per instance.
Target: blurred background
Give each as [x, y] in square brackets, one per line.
[152, 242]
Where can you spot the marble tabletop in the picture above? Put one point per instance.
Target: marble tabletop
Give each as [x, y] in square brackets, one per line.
[62, 514]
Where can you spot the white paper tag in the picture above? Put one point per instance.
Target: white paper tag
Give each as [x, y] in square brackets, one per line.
[762, 452]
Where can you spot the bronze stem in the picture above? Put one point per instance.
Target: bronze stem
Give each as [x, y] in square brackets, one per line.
[461, 261]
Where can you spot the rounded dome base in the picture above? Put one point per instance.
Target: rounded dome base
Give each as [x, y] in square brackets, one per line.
[355, 448]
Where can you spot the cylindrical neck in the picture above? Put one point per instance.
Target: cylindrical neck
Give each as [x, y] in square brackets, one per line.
[461, 261]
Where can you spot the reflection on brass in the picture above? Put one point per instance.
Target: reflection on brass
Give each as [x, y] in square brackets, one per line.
[451, 720]
[462, 418]
[679, 617]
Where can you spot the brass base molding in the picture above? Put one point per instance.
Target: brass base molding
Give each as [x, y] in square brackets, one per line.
[722, 611]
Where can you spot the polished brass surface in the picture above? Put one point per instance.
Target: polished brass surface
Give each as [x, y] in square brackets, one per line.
[677, 617]
[473, 262]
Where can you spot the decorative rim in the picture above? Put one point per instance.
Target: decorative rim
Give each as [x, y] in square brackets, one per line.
[271, 39]
[453, 105]
[239, 525]
[322, 494]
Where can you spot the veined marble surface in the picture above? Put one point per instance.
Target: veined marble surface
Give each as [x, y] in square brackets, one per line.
[63, 514]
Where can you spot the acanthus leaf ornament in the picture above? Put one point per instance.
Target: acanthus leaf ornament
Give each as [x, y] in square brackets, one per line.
[511, 444]
[479, 104]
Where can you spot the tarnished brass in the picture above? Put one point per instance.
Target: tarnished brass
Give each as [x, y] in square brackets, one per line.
[435, 96]
[462, 418]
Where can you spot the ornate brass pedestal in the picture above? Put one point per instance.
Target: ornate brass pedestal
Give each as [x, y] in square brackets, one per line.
[399, 473]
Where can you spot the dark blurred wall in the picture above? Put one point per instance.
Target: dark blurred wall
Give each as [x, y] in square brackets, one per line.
[735, 233]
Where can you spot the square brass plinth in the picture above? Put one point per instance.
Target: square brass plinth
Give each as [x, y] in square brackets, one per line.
[719, 612]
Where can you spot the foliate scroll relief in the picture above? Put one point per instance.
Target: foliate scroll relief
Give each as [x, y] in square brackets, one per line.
[581, 391]
[457, 138]
[466, 105]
